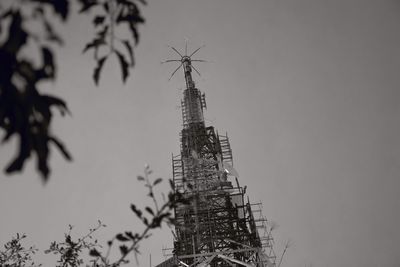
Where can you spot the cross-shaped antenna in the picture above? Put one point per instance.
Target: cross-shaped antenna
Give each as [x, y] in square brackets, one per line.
[184, 58]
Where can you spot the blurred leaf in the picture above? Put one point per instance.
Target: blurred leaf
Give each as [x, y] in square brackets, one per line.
[98, 20]
[130, 51]
[136, 211]
[121, 237]
[62, 148]
[48, 69]
[157, 181]
[106, 7]
[97, 70]
[123, 249]
[17, 35]
[131, 236]
[94, 44]
[149, 210]
[23, 154]
[134, 32]
[42, 152]
[60, 7]
[124, 66]
[87, 4]
[94, 253]
[58, 102]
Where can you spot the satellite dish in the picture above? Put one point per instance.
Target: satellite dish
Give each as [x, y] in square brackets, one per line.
[230, 170]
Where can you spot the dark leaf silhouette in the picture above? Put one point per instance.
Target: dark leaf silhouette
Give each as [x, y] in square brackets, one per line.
[48, 69]
[136, 211]
[98, 20]
[129, 13]
[42, 151]
[62, 148]
[94, 253]
[134, 32]
[157, 181]
[106, 7]
[18, 162]
[87, 4]
[149, 210]
[123, 249]
[96, 73]
[94, 44]
[130, 51]
[124, 66]
[60, 7]
[131, 236]
[121, 237]
[18, 36]
[57, 102]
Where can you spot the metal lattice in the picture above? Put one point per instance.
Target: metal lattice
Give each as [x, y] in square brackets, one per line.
[219, 226]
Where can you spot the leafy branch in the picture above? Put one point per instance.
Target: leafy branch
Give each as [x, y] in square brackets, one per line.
[111, 14]
[16, 255]
[152, 218]
[70, 251]
[27, 113]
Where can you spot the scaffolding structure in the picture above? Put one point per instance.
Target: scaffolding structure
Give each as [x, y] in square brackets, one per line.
[219, 226]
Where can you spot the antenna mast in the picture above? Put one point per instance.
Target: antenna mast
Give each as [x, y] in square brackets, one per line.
[219, 227]
[193, 101]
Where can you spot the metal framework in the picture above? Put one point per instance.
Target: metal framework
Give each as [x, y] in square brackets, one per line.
[219, 227]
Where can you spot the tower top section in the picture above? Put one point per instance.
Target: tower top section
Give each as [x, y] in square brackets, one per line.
[193, 101]
[186, 62]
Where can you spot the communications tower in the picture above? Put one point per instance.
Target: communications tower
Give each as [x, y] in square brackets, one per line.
[219, 226]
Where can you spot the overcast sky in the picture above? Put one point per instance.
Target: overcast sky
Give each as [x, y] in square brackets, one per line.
[308, 92]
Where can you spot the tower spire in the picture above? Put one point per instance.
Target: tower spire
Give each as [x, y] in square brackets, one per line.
[217, 226]
[193, 101]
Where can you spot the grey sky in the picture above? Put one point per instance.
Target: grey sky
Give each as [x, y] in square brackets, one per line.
[308, 92]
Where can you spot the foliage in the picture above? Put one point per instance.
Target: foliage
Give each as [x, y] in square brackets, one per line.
[151, 217]
[15, 255]
[25, 112]
[70, 251]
